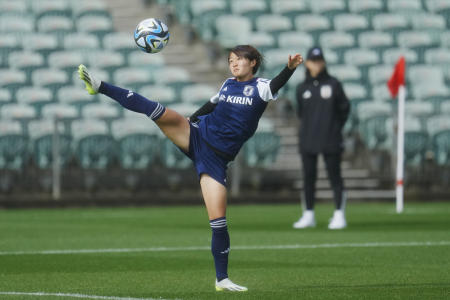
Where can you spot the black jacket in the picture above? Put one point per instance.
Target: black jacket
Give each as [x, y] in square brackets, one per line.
[323, 109]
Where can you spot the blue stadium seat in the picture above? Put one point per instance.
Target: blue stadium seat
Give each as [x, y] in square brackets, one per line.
[328, 8]
[438, 128]
[18, 7]
[5, 97]
[108, 111]
[392, 23]
[143, 60]
[261, 150]
[376, 40]
[106, 60]
[44, 8]
[122, 42]
[372, 117]
[60, 25]
[408, 8]
[175, 77]
[380, 74]
[232, 30]
[419, 41]
[16, 24]
[93, 146]
[337, 41]
[98, 25]
[363, 59]
[41, 134]
[295, 39]
[249, 8]
[13, 145]
[368, 8]
[12, 79]
[346, 73]
[75, 96]
[380, 92]
[26, 61]
[273, 24]
[198, 93]
[43, 43]
[204, 14]
[289, 8]
[132, 78]
[432, 23]
[66, 61]
[138, 141]
[94, 8]
[50, 78]
[8, 44]
[80, 41]
[262, 41]
[60, 111]
[35, 96]
[352, 23]
[391, 56]
[314, 24]
[166, 95]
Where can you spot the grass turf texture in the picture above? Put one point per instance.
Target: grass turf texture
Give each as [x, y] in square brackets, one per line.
[394, 272]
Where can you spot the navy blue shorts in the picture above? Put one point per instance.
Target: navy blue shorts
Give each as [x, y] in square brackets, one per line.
[206, 161]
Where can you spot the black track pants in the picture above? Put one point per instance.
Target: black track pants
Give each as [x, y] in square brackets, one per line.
[333, 166]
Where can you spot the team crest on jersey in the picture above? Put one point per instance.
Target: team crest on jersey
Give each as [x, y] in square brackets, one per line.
[248, 90]
[225, 89]
[307, 94]
[325, 91]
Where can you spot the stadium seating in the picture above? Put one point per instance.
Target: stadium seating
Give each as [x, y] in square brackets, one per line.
[13, 145]
[261, 150]
[41, 134]
[42, 43]
[92, 145]
[138, 141]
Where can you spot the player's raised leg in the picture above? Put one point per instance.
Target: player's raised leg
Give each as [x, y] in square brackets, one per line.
[173, 125]
[215, 195]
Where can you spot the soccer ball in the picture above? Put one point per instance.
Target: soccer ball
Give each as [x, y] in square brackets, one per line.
[151, 35]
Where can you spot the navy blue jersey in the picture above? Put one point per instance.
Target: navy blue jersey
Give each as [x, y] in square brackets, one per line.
[235, 118]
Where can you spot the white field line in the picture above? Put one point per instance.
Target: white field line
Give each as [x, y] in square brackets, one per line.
[207, 248]
[74, 296]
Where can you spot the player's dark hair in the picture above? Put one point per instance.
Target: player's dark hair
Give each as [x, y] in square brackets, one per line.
[250, 53]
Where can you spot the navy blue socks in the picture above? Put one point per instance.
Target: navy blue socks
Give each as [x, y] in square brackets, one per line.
[133, 101]
[220, 246]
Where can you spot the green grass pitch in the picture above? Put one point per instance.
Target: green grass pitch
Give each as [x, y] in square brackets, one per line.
[165, 253]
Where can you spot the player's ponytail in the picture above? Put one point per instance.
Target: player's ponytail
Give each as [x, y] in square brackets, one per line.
[249, 52]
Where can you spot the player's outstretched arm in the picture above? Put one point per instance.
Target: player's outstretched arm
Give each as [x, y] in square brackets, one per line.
[280, 80]
[295, 61]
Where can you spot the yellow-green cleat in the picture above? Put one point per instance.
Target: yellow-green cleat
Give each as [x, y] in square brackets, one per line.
[92, 84]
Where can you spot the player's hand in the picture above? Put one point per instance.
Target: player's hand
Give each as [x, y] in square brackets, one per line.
[294, 61]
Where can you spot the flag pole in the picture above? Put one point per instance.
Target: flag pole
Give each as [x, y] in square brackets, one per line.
[400, 149]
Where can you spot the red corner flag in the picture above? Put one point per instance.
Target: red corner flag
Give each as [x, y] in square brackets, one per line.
[398, 77]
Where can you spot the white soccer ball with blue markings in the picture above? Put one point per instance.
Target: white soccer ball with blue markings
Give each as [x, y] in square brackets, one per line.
[151, 35]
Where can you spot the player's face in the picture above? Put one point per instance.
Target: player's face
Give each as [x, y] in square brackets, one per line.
[241, 67]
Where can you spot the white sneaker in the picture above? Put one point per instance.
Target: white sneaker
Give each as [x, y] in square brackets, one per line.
[227, 285]
[307, 220]
[338, 220]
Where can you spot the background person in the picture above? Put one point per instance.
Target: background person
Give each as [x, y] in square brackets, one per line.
[323, 109]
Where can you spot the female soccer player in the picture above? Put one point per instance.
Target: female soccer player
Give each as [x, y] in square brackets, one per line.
[213, 135]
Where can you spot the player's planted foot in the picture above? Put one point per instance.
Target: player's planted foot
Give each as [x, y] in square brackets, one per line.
[338, 220]
[92, 83]
[227, 285]
[307, 220]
